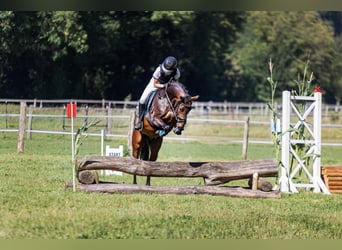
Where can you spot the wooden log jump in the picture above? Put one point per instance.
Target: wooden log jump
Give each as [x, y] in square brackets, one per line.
[213, 173]
[112, 188]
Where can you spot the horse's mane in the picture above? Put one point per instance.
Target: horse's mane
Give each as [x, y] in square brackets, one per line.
[181, 85]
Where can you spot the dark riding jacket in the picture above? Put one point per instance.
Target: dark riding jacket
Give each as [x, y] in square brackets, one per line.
[164, 77]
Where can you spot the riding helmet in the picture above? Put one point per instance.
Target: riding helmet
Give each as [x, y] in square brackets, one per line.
[170, 63]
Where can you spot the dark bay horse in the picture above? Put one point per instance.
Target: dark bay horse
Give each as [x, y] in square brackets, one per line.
[167, 109]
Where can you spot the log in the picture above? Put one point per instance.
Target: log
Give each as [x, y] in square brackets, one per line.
[88, 177]
[112, 188]
[261, 184]
[214, 173]
[255, 180]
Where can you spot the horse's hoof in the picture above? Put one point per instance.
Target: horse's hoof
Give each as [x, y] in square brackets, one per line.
[177, 131]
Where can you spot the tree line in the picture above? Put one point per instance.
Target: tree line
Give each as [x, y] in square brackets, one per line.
[112, 54]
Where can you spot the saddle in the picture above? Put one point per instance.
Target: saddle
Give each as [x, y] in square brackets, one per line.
[159, 130]
[148, 105]
[149, 100]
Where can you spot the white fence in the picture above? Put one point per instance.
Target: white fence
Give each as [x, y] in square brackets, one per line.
[203, 113]
[209, 107]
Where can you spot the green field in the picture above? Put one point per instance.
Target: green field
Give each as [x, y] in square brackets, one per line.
[36, 205]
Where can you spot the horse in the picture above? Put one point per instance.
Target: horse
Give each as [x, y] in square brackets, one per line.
[167, 109]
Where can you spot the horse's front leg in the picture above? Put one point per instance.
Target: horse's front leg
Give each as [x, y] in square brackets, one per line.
[164, 129]
[162, 124]
[155, 147]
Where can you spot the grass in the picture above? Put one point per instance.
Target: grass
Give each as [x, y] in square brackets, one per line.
[36, 205]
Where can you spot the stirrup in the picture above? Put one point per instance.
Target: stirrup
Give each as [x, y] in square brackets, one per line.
[138, 126]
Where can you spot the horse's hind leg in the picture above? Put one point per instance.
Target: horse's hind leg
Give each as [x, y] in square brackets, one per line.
[148, 180]
[154, 147]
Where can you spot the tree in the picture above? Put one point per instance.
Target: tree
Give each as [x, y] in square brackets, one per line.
[5, 41]
[290, 39]
[112, 54]
[32, 43]
[130, 45]
[334, 89]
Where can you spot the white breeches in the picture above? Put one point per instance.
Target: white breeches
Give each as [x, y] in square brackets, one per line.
[148, 89]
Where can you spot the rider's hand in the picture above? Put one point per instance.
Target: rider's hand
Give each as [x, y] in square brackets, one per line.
[167, 128]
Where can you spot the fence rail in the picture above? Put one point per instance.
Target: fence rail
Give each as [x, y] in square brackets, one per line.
[209, 107]
[181, 138]
[106, 113]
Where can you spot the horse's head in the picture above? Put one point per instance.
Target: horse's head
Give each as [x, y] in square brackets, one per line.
[181, 104]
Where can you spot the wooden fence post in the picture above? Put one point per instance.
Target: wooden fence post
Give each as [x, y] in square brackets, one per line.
[21, 131]
[29, 125]
[245, 138]
[109, 119]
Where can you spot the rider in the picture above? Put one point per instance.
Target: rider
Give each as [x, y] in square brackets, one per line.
[164, 73]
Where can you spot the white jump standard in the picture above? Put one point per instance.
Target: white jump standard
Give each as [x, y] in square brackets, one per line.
[288, 181]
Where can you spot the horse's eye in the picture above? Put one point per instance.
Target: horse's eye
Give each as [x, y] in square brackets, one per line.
[182, 109]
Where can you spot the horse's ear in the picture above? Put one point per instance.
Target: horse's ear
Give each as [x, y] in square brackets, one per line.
[194, 98]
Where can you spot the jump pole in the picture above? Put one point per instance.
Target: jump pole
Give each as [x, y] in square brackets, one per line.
[285, 142]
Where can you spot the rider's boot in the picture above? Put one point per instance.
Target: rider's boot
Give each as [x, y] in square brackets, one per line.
[139, 124]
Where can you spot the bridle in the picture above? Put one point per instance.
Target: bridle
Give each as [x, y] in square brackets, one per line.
[173, 109]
